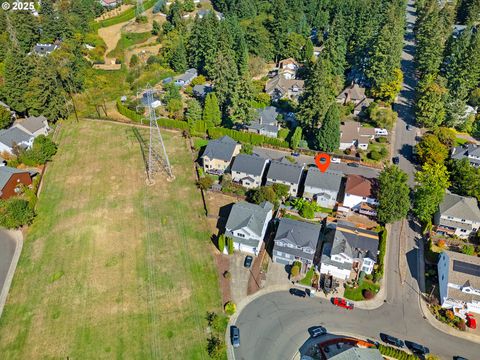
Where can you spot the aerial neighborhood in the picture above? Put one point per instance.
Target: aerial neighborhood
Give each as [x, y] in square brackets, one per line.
[240, 179]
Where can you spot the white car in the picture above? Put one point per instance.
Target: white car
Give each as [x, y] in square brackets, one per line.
[335, 160]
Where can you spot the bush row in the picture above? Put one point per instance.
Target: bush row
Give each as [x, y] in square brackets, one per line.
[395, 353]
[246, 137]
[382, 247]
[125, 16]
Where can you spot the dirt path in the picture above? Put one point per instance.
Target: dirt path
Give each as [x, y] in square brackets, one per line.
[111, 35]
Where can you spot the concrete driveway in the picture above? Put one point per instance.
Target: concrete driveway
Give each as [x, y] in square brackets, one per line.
[240, 276]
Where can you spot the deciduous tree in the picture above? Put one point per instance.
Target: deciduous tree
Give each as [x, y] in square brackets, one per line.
[393, 195]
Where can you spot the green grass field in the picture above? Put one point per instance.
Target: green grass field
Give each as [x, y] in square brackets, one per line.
[112, 268]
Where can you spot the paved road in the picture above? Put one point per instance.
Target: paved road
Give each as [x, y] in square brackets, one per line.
[309, 160]
[275, 326]
[7, 249]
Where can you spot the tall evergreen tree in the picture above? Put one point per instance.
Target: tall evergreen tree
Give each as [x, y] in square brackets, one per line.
[211, 111]
[328, 136]
[178, 61]
[430, 105]
[16, 78]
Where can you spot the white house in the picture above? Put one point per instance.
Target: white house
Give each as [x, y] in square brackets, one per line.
[284, 172]
[459, 282]
[346, 249]
[12, 137]
[248, 170]
[458, 215]
[247, 225]
[353, 134]
[33, 125]
[360, 194]
[322, 187]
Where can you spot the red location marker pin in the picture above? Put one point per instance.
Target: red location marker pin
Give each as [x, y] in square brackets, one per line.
[323, 161]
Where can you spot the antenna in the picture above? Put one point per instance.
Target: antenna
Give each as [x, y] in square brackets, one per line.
[140, 9]
[157, 154]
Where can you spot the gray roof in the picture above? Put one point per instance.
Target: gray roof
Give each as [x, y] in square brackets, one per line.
[249, 164]
[255, 125]
[325, 259]
[6, 173]
[467, 151]
[268, 115]
[250, 216]
[328, 180]
[221, 149]
[461, 207]
[187, 76]
[297, 233]
[356, 243]
[202, 90]
[357, 353]
[14, 135]
[285, 171]
[44, 49]
[33, 123]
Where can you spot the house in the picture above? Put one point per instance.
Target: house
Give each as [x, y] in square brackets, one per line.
[110, 3]
[248, 170]
[33, 125]
[469, 151]
[356, 353]
[11, 179]
[44, 49]
[284, 84]
[185, 78]
[201, 91]
[279, 87]
[284, 172]
[266, 122]
[459, 282]
[317, 50]
[346, 249]
[247, 225]
[354, 94]
[204, 12]
[353, 134]
[457, 215]
[361, 194]
[9, 138]
[322, 187]
[296, 241]
[218, 154]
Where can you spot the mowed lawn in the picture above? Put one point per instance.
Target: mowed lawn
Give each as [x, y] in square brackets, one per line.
[112, 268]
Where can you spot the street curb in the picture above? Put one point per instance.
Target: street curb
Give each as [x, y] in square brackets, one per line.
[18, 237]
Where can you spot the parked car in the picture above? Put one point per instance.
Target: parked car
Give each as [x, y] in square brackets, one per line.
[317, 331]
[396, 160]
[235, 336]
[353, 164]
[417, 348]
[373, 342]
[335, 160]
[296, 154]
[459, 358]
[471, 321]
[342, 303]
[248, 261]
[392, 340]
[298, 292]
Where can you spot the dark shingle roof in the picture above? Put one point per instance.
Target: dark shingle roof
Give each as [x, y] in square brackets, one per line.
[461, 207]
[268, 115]
[328, 180]
[285, 171]
[249, 164]
[13, 135]
[246, 215]
[464, 151]
[33, 123]
[221, 149]
[297, 233]
[356, 243]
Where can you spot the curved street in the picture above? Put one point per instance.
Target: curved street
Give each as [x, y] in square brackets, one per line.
[275, 325]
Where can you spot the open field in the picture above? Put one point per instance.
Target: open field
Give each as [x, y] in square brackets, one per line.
[112, 268]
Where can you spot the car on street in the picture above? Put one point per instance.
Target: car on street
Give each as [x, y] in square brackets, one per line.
[298, 292]
[471, 322]
[396, 160]
[342, 303]
[417, 348]
[353, 164]
[459, 358]
[248, 261]
[317, 331]
[335, 160]
[392, 340]
[235, 336]
[295, 154]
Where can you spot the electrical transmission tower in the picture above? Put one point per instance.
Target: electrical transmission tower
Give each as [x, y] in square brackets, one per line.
[157, 154]
[140, 9]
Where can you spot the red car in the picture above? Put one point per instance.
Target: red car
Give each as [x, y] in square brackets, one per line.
[342, 303]
[471, 322]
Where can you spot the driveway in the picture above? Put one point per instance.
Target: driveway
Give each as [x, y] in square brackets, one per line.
[240, 276]
[275, 154]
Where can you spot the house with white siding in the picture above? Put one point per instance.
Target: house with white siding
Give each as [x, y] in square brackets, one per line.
[322, 187]
[361, 194]
[457, 215]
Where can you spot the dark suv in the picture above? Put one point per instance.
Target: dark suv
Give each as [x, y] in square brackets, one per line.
[235, 336]
[298, 292]
[392, 340]
[417, 348]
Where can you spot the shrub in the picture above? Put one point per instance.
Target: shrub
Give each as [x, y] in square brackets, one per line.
[449, 314]
[441, 244]
[367, 294]
[382, 139]
[230, 246]
[361, 277]
[15, 212]
[221, 243]
[42, 151]
[227, 275]
[307, 212]
[468, 249]
[230, 308]
[375, 155]
[205, 183]
[141, 19]
[461, 325]
[295, 270]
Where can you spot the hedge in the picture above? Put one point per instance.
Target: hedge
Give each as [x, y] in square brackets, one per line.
[246, 137]
[395, 353]
[125, 16]
[382, 247]
[132, 115]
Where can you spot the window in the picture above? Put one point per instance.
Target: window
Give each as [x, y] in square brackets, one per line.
[240, 235]
[463, 231]
[450, 217]
[364, 198]
[463, 220]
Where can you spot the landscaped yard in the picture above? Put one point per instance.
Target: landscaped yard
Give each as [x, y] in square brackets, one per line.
[112, 268]
[355, 294]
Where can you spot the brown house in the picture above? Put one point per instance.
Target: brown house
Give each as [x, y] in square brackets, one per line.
[11, 179]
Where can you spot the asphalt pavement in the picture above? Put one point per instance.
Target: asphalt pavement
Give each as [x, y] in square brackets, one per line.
[7, 249]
